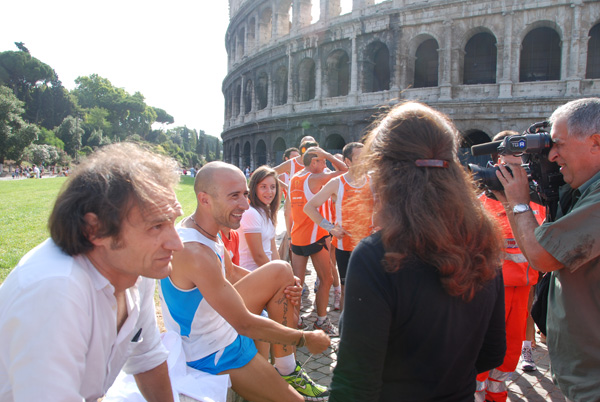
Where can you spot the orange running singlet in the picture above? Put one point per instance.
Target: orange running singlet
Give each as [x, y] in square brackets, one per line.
[304, 230]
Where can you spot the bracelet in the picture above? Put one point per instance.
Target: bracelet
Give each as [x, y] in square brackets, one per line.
[325, 224]
[302, 341]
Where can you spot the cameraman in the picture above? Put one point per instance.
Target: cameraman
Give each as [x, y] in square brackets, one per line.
[569, 247]
[518, 276]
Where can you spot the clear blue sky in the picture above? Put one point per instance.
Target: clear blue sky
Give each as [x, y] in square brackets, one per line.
[172, 52]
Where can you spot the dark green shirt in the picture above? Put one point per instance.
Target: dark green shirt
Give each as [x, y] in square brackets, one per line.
[574, 297]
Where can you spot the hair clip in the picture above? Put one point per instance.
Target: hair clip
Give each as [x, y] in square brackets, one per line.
[436, 163]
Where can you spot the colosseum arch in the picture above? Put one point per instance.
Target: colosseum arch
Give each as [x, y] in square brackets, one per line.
[540, 58]
[283, 17]
[265, 26]
[236, 155]
[334, 143]
[248, 97]
[376, 67]
[240, 46]
[469, 138]
[337, 73]
[261, 153]
[306, 80]
[279, 148]
[593, 55]
[237, 100]
[251, 35]
[280, 86]
[247, 156]
[480, 59]
[426, 66]
[262, 90]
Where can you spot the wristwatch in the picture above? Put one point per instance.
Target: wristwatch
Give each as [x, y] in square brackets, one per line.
[520, 208]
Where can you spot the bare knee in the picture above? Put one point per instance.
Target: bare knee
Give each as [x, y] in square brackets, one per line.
[281, 272]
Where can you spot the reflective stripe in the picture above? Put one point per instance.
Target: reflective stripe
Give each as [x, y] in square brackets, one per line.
[481, 386]
[497, 387]
[498, 375]
[518, 258]
[480, 396]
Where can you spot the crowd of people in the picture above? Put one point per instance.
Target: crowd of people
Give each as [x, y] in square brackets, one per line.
[434, 278]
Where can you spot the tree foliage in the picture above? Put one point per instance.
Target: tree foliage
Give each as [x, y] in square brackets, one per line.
[15, 133]
[70, 132]
[36, 108]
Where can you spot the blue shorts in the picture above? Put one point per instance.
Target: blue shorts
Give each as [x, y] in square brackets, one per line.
[236, 355]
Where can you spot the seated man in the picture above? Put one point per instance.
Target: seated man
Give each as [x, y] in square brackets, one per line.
[215, 305]
[80, 307]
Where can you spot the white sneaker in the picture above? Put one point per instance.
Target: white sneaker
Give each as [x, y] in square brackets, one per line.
[527, 363]
[337, 296]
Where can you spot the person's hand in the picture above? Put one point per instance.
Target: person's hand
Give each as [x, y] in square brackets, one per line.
[516, 185]
[320, 152]
[339, 232]
[316, 341]
[294, 292]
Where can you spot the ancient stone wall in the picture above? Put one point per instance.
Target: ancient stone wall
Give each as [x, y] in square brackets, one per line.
[299, 68]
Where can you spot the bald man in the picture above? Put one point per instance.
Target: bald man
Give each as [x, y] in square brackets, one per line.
[216, 305]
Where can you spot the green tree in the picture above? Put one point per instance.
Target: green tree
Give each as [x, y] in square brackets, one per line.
[70, 132]
[43, 154]
[21, 72]
[47, 137]
[15, 133]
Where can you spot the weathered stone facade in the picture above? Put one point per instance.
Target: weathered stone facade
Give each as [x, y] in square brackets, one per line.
[490, 65]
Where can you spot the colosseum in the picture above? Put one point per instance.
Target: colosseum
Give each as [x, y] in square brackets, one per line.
[326, 67]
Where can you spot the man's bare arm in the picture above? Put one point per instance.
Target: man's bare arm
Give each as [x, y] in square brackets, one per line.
[155, 384]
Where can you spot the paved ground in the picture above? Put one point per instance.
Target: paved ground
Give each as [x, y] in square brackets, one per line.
[532, 386]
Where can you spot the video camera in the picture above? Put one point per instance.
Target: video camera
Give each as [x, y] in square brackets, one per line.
[533, 147]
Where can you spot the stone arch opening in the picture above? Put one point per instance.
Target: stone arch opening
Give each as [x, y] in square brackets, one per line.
[426, 64]
[261, 153]
[251, 35]
[480, 59]
[337, 73]
[470, 138]
[540, 56]
[306, 80]
[593, 55]
[247, 156]
[279, 148]
[265, 26]
[280, 89]
[315, 11]
[241, 50]
[262, 90]
[376, 68]
[236, 155]
[248, 97]
[334, 143]
[237, 99]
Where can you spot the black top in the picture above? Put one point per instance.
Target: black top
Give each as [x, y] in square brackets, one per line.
[403, 338]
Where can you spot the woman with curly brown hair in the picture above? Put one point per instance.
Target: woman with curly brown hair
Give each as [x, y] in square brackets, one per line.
[424, 308]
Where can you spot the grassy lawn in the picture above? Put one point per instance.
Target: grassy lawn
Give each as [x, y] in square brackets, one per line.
[25, 206]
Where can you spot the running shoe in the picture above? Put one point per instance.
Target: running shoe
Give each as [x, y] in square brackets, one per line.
[317, 282]
[327, 327]
[337, 296]
[305, 386]
[302, 325]
[527, 363]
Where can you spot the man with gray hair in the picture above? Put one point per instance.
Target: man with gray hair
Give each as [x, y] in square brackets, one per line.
[80, 306]
[569, 247]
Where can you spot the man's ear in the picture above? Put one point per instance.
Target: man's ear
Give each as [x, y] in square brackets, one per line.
[595, 143]
[202, 198]
[92, 225]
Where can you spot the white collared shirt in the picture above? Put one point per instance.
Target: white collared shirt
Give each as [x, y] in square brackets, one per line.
[58, 329]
